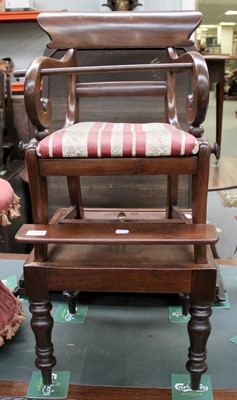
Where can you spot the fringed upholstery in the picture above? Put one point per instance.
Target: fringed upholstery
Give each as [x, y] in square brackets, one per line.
[9, 203]
[11, 314]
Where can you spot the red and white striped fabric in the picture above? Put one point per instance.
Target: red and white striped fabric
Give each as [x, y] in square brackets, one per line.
[106, 139]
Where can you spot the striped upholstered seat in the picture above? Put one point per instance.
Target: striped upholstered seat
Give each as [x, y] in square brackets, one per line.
[105, 139]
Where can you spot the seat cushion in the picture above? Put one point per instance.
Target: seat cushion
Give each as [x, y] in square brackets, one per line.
[9, 203]
[106, 139]
[11, 314]
[7, 194]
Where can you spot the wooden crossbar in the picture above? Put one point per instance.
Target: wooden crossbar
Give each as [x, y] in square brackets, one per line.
[109, 68]
[118, 233]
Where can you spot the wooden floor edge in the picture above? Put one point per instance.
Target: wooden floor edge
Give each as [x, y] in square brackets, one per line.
[13, 256]
[227, 261]
[17, 389]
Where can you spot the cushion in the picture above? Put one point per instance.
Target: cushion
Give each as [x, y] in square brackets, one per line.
[106, 139]
[11, 314]
[9, 203]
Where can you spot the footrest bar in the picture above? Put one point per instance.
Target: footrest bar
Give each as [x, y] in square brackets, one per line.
[118, 233]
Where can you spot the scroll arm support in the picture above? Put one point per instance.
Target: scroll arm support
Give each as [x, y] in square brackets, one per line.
[196, 102]
[39, 109]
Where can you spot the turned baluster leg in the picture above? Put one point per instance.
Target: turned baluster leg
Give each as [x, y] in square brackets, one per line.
[199, 329]
[71, 296]
[185, 297]
[42, 324]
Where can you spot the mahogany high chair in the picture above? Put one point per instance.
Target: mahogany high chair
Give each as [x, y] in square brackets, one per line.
[121, 250]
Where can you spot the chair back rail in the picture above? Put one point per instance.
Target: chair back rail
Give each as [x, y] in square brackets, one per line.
[76, 31]
[119, 30]
[125, 88]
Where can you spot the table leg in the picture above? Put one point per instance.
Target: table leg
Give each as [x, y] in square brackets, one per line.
[219, 116]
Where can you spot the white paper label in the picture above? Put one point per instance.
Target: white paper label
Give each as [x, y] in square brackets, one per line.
[36, 233]
[122, 231]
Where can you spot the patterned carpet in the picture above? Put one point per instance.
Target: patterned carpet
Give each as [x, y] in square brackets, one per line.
[229, 197]
[224, 217]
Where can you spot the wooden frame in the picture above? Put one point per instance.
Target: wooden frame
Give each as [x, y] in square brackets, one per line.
[178, 269]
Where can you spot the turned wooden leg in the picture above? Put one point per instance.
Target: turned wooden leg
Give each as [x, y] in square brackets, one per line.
[42, 324]
[199, 329]
[71, 296]
[185, 298]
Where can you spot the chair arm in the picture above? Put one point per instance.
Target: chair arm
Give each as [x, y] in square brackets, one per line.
[39, 109]
[197, 102]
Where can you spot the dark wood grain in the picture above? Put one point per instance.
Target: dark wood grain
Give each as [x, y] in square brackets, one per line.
[119, 233]
[83, 32]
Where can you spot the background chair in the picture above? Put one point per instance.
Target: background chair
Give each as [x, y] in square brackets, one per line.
[120, 250]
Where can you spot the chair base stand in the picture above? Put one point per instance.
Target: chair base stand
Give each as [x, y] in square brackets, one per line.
[83, 257]
[97, 277]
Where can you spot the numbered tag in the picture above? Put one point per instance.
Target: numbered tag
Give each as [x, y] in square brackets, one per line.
[36, 233]
[122, 231]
